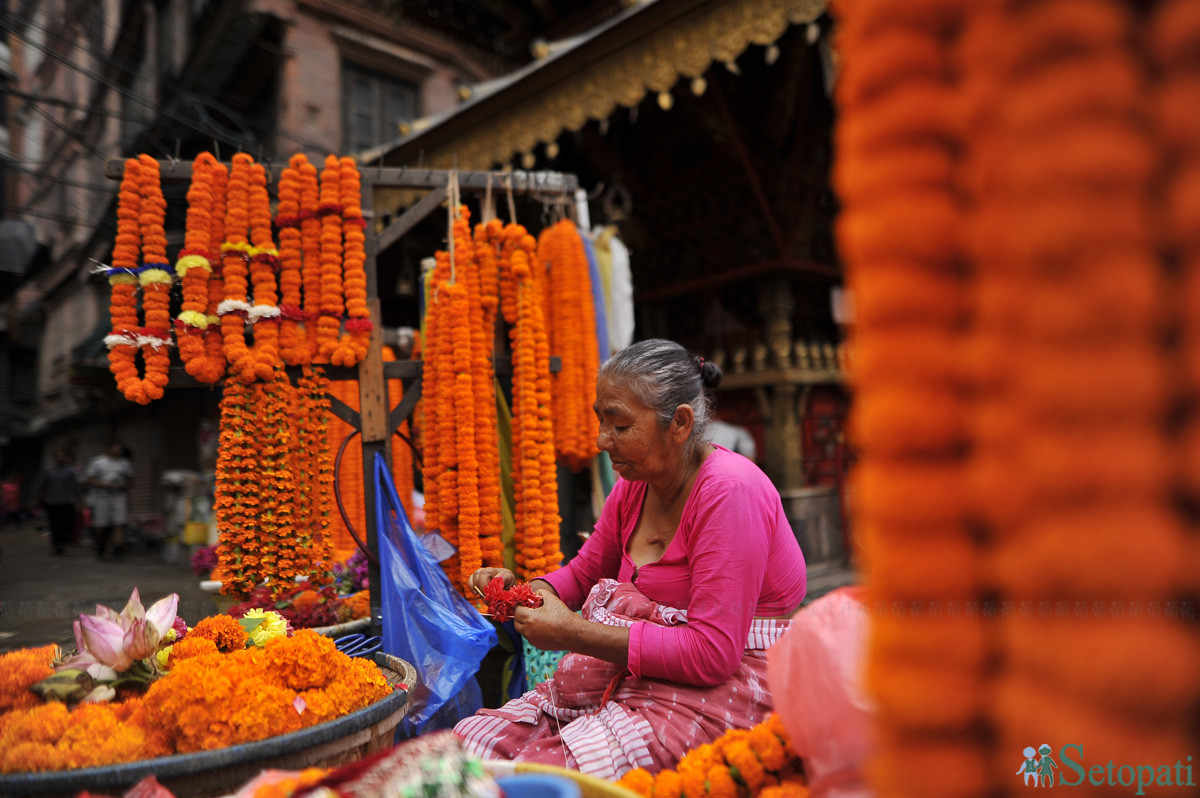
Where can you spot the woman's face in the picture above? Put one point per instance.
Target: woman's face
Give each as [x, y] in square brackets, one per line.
[639, 447]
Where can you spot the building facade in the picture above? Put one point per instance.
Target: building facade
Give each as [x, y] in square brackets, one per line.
[95, 80]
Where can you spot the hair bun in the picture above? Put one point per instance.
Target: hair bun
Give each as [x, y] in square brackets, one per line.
[710, 373]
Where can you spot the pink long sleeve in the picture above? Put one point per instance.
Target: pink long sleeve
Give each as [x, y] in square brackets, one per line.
[733, 557]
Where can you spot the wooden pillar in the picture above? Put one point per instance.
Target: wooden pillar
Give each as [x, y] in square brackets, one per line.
[373, 412]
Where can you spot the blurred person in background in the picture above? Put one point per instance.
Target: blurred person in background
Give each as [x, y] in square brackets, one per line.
[108, 477]
[59, 492]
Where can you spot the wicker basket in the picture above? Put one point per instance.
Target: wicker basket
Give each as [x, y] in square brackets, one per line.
[589, 786]
[208, 774]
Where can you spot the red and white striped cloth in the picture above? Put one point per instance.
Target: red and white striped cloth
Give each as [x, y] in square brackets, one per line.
[648, 723]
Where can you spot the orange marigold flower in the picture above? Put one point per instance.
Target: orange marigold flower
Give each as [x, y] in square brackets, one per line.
[19, 670]
[306, 600]
[304, 660]
[189, 647]
[223, 630]
[639, 780]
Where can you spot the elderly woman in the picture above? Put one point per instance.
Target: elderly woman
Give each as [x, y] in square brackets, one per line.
[692, 572]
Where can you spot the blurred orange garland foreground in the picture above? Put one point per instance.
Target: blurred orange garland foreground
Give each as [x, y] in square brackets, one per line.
[208, 699]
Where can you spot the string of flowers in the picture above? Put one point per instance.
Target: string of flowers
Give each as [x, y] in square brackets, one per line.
[535, 482]
[487, 444]
[751, 762]
[281, 557]
[141, 210]
[470, 389]
[310, 240]
[329, 211]
[235, 496]
[249, 249]
[293, 341]
[195, 266]
[352, 346]
[439, 470]
[214, 342]
[571, 321]
[313, 476]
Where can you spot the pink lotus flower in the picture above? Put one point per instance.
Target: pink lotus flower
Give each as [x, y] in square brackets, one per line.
[109, 643]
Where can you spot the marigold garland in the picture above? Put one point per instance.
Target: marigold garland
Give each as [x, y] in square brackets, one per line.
[236, 501]
[352, 346]
[742, 762]
[484, 304]
[329, 211]
[293, 341]
[535, 479]
[197, 261]
[571, 321]
[249, 251]
[141, 210]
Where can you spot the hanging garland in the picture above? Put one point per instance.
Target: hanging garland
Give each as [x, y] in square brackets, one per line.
[141, 210]
[535, 479]
[236, 498]
[254, 254]
[571, 321]
[352, 346]
[197, 262]
[293, 341]
[329, 210]
[484, 305]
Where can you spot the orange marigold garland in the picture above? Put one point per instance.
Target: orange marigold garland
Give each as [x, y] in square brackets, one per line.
[293, 341]
[141, 210]
[484, 308]
[571, 321]
[352, 346]
[535, 481]
[742, 762]
[329, 210]
[236, 500]
[249, 250]
[197, 261]
[310, 247]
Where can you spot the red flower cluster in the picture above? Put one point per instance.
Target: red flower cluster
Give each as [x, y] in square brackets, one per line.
[501, 603]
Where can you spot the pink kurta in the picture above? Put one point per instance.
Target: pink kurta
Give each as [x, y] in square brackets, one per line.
[734, 557]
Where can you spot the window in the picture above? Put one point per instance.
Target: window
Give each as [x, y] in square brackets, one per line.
[373, 106]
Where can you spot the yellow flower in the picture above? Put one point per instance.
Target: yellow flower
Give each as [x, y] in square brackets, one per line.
[163, 656]
[273, 626]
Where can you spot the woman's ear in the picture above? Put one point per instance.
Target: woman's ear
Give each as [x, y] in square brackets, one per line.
[681, 423]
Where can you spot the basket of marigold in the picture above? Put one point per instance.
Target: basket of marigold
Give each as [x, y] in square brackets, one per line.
[226, 699]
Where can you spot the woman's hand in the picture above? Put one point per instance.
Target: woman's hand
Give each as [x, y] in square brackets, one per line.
[550, 627]
[480, 578]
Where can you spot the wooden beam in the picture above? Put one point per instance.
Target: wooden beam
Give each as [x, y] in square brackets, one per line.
[409, 219]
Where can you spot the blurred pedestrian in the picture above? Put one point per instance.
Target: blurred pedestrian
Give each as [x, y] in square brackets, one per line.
[10, 499]
[108, 477]
[59, 491]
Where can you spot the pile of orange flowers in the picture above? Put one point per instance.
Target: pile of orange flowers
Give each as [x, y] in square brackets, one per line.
[208, 700]
[1019, 229]
[141, 210]
[742, 763]
[571, 320]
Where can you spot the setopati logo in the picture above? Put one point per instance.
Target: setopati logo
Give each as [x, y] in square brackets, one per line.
[1040, 769]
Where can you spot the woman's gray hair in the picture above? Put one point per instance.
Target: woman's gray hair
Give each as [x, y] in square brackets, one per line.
[663, 375]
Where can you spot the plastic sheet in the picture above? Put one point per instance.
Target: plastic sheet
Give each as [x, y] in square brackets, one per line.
[815, 676]
[425, 620]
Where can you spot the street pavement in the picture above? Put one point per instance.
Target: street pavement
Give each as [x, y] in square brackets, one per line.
[41, 593]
